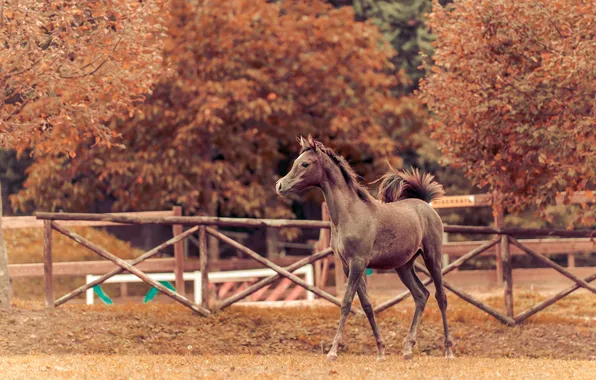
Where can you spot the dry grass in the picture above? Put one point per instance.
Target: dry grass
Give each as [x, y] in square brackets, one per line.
[168, 329]
[25, 245]
[167, 341]
[287, 367]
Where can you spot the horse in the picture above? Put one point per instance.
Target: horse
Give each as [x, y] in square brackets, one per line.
[385, 233]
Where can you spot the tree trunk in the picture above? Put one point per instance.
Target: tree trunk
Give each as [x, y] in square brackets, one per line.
[4, 279]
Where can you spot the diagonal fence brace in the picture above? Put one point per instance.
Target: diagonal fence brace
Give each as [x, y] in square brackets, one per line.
[126, 266]
[552, 264]
[466, 297]
[549, 301]
[271, 279]
[138, 260]
[454, 265]
[277, 268]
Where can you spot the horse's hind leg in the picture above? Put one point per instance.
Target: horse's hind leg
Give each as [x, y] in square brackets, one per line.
[433, 263]
[420, 294]
[370, 314]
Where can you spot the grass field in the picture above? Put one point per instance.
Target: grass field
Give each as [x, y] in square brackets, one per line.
[287, 367]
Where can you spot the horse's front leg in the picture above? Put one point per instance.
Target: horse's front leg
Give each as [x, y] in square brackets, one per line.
[354, 277]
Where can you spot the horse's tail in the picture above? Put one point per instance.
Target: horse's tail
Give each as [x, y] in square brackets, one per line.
[403, 184]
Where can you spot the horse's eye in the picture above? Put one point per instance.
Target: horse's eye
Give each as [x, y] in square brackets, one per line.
[305, 164]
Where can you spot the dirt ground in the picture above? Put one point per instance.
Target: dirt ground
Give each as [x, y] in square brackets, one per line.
[287, 367]
[566, 330]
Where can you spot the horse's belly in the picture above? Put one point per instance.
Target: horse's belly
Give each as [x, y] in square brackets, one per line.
[388, 263]
[391, 259]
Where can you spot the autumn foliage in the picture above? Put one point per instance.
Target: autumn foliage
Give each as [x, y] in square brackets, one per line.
[512, 92]
[241, 79]
[66, 67]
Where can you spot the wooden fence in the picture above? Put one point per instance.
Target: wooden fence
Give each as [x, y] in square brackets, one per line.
[505, 238]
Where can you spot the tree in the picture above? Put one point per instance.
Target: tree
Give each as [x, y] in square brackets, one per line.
[403, 25]
[66, 67]
[4, 279]
[512, 94]
[242, 80]
[13, 168]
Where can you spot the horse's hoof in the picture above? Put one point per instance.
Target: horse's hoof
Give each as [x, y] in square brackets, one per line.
[408, 356]
[332, 357]
[381, 358]
[449, 354]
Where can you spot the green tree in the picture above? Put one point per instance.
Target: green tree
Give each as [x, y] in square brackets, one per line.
[403, 25]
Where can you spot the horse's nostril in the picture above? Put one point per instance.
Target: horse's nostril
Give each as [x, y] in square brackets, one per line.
[278, 186]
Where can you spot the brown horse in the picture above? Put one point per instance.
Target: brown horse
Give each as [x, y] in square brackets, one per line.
[388, 233]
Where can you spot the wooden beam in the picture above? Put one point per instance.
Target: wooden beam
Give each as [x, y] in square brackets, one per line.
[47, 263]
[470, 299]
[178, 254]
[83, 268]
[16, 222]
[271, 279]
[499, 223]
[548, 232]
[454, 249]
[507, 276]
[204, 262]
[454, 265]
[553, 265]
[186, 220]
[124, 265]
[549, 301]
[118, 269]
[277, 268]
[544, 246]
[284, 223]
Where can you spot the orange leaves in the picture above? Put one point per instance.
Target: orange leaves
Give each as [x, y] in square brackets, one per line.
[515, 109]
[235, 90]
[79, 83]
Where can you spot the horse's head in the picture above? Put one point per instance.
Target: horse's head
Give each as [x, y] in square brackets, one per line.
[306, 172]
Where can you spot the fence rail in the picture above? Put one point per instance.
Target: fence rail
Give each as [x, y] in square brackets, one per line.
[504, 239]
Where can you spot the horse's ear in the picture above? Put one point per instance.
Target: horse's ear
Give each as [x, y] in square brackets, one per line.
[301, 141]
[312, 142]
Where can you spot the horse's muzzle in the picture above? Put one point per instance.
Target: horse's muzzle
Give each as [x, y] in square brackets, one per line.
[279, 188]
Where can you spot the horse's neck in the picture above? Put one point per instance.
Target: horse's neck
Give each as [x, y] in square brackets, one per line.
[340, 198]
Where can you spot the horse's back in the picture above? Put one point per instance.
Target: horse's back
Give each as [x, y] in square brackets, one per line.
[412, 209]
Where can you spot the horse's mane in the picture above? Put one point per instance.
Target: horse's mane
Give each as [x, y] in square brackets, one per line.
[350, 176]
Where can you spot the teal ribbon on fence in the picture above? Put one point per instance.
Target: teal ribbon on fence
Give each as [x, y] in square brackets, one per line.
[153, 291]
[102, 295]
[148, 297]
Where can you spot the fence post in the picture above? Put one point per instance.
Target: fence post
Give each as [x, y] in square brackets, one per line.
[444, 256]
[272, 237]
[571, 260]
[178, 253]
[47, 263]
[498, 249]
[321, 267]
[507, 275]
[204, 263]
